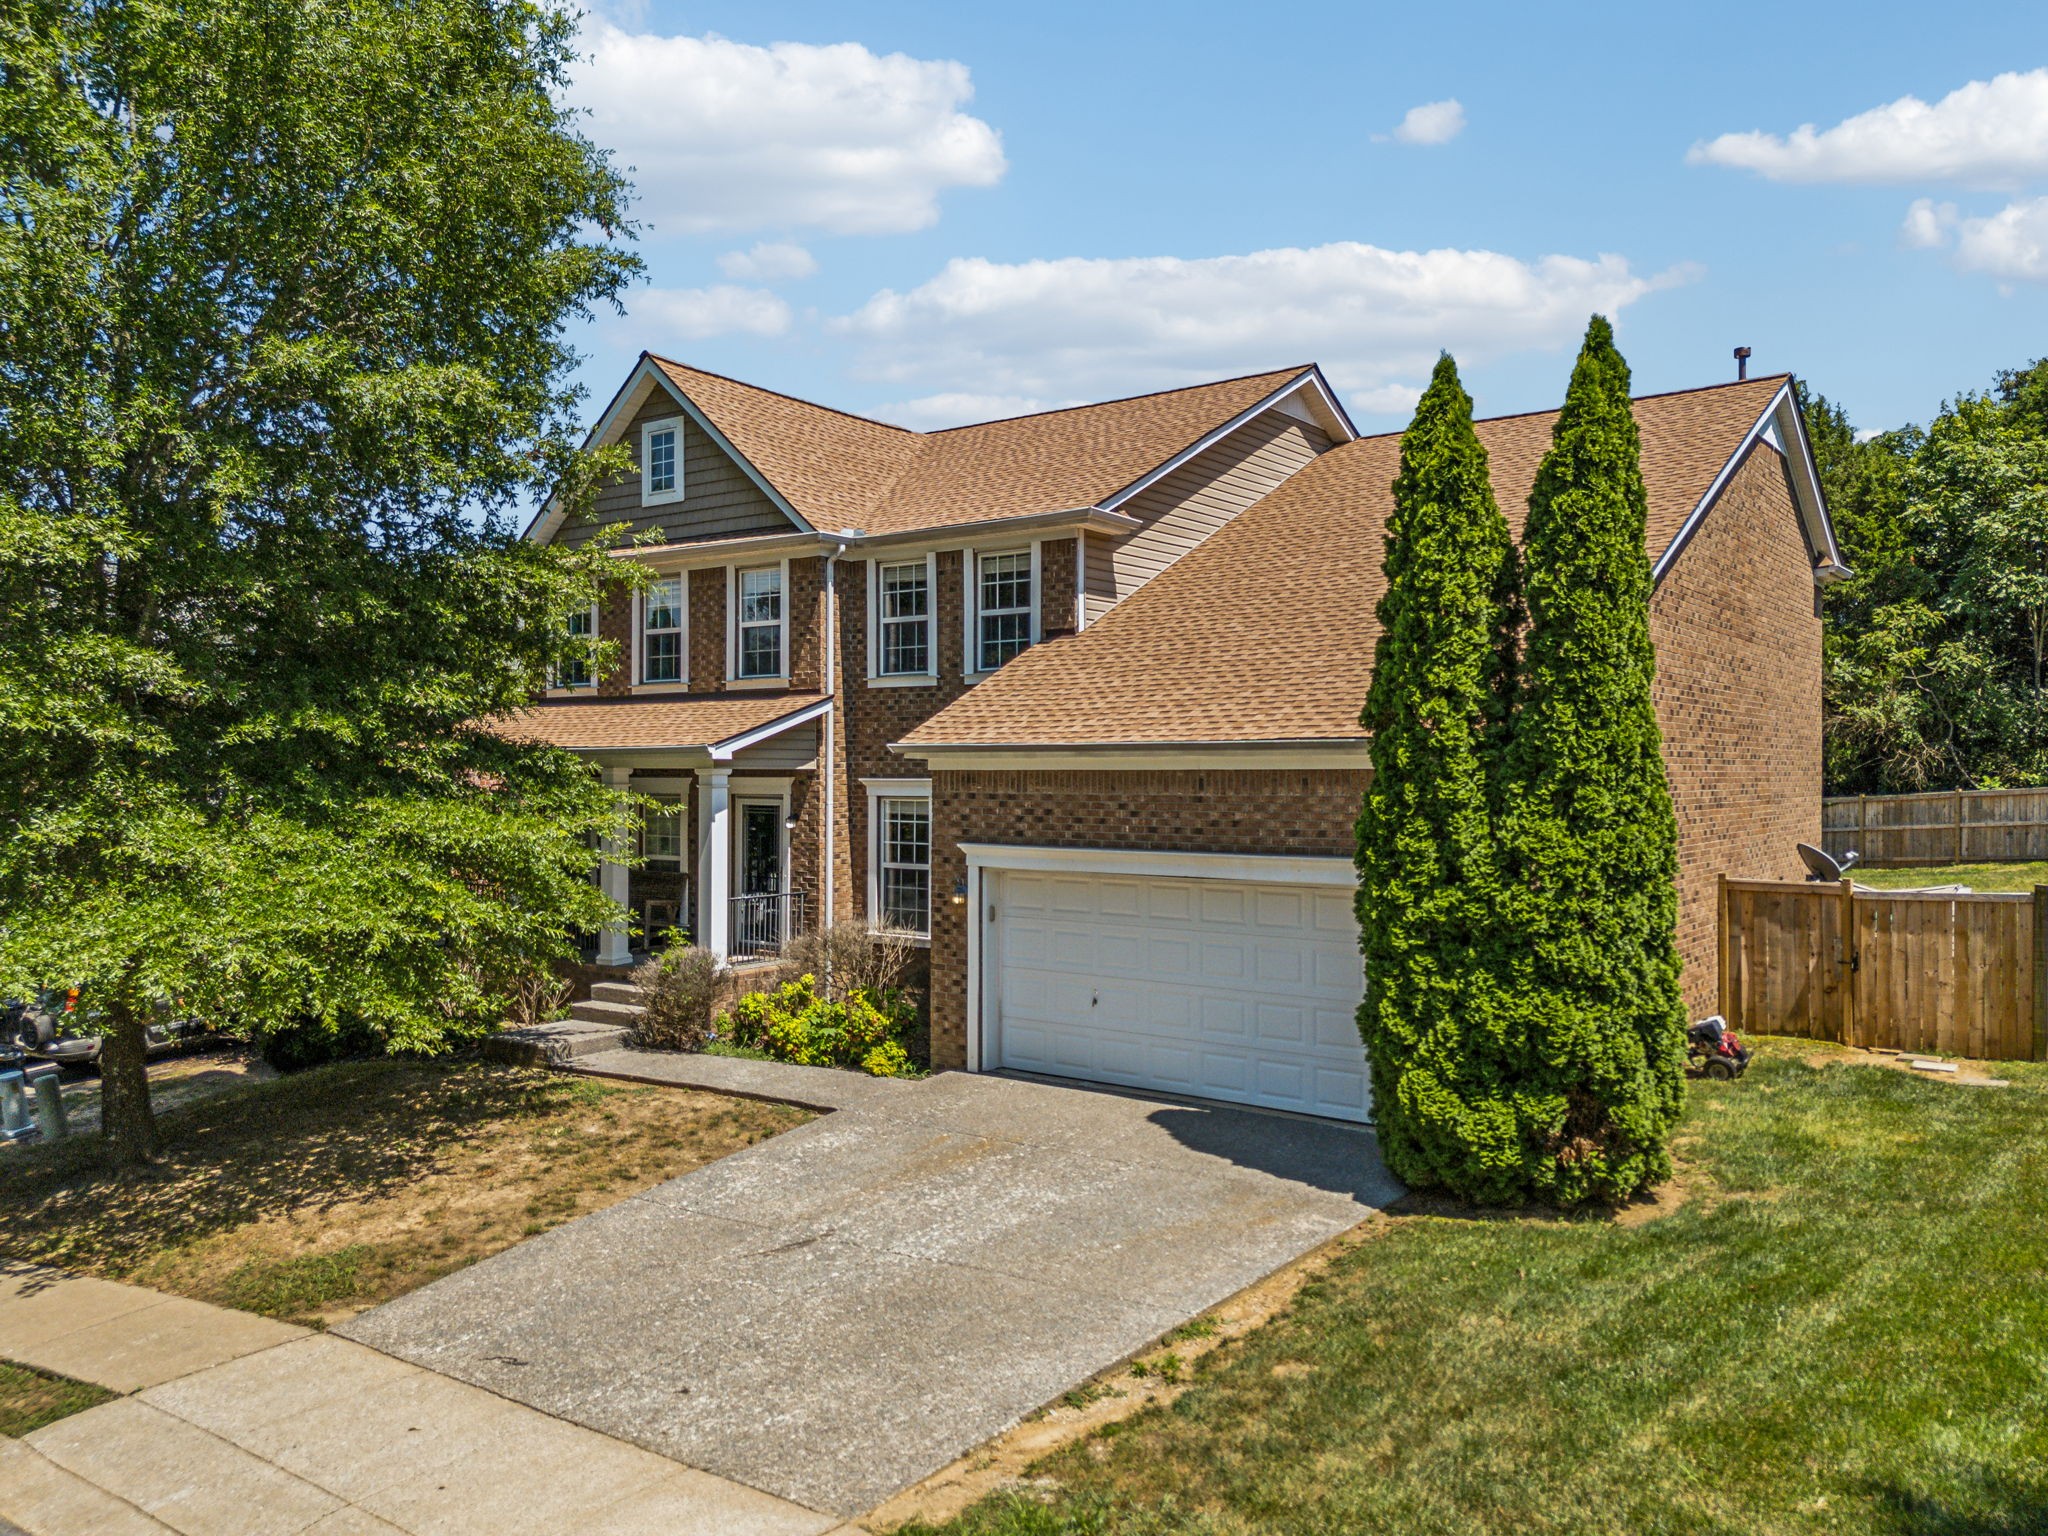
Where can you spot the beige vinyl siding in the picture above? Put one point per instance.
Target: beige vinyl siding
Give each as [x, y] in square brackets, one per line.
[1098, 575]
[719, 500]
[795, 750]
[1201, 496]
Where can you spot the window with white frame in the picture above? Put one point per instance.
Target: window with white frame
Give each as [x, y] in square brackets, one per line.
[903, 637]
[903, 864]
[582, 626]
[1002, 608]
[661, 631]
[661, 462]
[661, 836]
[760, 621]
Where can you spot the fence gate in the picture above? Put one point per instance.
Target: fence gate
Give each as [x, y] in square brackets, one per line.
[1958, 975]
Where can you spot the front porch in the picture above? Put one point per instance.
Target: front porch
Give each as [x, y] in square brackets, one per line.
[731, 851]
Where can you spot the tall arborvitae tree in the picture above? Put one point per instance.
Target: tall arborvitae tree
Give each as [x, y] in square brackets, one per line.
[1428, 871]
[1589, 843]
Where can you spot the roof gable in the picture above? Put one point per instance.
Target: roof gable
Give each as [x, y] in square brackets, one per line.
[1206, 653]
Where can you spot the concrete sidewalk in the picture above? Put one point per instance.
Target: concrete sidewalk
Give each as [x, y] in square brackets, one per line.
[245, 1427]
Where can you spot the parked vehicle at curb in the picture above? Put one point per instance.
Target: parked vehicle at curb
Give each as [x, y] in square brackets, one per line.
[58, 1027]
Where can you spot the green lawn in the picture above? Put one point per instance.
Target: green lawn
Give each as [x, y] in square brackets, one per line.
[1978, 877]
[30, 1399]
[1844, 1328]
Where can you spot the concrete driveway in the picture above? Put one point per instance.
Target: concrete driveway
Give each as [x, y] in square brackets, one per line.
[841, 1311]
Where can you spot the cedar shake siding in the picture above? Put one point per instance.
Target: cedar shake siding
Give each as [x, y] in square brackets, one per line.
[1184, 508]
[1738, 698]
[720, 500]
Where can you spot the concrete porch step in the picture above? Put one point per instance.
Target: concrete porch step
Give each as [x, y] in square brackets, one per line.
[598, 1011]
[616, 992]
[556, 1044]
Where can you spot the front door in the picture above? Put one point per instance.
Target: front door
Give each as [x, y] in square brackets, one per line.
[757, 918]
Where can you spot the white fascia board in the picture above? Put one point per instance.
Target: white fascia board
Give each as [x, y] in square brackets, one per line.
[987, 533]
[723, 751]
[1139, 757]
[1783, 414]
[1309, 380]
[1259, 868]
[626, 405]
[724, 551]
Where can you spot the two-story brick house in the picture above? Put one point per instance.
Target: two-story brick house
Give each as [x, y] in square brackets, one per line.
[824, 584]
[1074, 696]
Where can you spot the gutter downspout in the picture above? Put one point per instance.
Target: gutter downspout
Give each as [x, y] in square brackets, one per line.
[832, 720]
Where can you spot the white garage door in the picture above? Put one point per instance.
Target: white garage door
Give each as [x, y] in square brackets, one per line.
[1219, 989]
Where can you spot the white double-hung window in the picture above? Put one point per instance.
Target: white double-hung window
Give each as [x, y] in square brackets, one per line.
[903, 619]
[903, 864]
[661, 631]
[1002, 608]
[758, 609]
[661, 462]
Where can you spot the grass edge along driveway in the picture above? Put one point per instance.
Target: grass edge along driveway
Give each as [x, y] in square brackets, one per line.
[1841, 1329]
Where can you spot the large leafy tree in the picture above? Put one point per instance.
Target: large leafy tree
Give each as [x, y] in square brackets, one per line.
[1589, 843]
[1937, 648]
[1429, 878]
[282, 293]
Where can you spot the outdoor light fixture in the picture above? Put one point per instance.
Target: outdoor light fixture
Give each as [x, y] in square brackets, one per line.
[789, 822]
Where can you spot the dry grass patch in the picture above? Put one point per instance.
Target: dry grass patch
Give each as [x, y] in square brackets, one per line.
[316, 1196]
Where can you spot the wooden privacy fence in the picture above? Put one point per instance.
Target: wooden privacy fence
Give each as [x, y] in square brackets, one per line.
[1960, 826]
[1957, 975]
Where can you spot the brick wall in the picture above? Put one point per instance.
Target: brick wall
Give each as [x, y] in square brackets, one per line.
[1240, 811]
[1738, 696]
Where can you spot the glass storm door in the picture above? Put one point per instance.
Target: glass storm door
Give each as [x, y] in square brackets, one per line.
[760, 848]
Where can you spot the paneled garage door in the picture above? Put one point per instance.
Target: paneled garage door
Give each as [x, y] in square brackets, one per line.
[1219, 989]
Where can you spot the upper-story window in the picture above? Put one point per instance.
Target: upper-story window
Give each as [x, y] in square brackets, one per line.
[759, 641]
[903, 625]
[661, 631]
[661, 462]
[582, 626]
[1002, 608]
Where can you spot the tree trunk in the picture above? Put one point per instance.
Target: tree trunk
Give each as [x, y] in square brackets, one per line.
[127, 1119]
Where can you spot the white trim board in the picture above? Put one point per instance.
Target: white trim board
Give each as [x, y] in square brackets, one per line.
[1163, 757]
[1780, 426]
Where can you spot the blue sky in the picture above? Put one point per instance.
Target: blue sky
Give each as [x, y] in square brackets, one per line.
[937, 213]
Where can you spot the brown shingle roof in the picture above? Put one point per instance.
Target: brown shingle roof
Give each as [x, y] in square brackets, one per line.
[842, 471]
[1265, 631]
[670, 721]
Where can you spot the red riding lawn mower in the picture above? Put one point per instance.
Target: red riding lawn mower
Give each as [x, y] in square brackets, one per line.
[1712, 1049]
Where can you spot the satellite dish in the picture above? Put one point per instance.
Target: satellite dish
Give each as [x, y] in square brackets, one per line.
[1822, 866]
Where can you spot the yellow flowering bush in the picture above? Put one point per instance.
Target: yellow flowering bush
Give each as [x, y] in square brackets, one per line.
[793, 1023]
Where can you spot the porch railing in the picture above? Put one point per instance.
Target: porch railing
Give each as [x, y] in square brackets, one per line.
[762, 925]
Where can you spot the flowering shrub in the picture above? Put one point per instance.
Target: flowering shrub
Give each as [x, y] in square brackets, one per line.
[793, 1023]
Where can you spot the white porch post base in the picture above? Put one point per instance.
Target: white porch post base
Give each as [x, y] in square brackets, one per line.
[714, 849]
[615, 944]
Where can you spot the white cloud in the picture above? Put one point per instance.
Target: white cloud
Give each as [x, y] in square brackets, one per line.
[720, 310]
[1927, 224]
[1989, 132]
[1434, 122]
[768, 262]
[953, 408]
[2011, 245]
[1089, 328]
[727, 136]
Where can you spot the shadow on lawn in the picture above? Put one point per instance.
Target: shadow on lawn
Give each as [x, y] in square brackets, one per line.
[1995, 1505]
[332, 1135]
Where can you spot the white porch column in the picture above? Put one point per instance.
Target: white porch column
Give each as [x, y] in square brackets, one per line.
[714, 861]
[615, 944]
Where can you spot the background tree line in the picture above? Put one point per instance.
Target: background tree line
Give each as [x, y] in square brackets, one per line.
[1937, 648]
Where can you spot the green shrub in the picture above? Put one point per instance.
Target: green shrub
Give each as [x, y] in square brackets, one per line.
[677, 992]
[312, 1042]
[793, 1023]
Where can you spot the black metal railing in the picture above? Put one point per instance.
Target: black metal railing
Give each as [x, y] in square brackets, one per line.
[763, 925]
